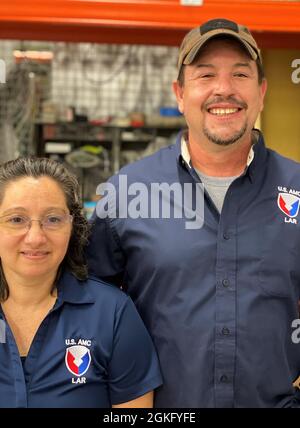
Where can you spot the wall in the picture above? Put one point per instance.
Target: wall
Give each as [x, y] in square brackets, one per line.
[281, 118]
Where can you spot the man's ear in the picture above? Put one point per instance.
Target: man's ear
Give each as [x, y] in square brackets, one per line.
[263, 90]
[178, 91]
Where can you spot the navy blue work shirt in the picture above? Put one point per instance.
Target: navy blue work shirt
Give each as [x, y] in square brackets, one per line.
[91, 350]
[219, 301]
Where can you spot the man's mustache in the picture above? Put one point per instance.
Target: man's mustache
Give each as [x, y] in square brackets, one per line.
[231, 100]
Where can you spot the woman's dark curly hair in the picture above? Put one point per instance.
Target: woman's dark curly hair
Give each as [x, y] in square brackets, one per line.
[22, 167]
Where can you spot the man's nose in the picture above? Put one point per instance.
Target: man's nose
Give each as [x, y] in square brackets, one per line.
[35, 233]
[224, 86]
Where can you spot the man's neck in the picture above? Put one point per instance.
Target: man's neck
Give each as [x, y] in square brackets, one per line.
[220, 161]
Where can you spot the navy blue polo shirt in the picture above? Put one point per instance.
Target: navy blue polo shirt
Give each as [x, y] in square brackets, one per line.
[91, 350]
[220, 300]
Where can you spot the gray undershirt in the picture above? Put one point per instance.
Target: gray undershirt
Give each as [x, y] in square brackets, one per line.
[216, 187]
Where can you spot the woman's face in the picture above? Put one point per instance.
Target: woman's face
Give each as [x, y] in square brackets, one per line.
[31, 249]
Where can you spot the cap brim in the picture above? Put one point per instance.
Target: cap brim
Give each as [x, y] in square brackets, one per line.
[212, 34]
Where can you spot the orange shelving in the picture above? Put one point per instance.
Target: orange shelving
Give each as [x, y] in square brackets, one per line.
[275, 23]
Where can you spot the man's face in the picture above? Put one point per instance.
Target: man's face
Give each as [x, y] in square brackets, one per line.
[221, 97]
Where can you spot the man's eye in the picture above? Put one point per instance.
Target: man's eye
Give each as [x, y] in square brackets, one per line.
[240, 75]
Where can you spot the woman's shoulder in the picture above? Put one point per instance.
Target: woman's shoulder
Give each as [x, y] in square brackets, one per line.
[97, 287]
[94, 290]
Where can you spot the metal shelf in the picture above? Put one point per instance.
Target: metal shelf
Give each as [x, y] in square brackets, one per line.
[113, 137]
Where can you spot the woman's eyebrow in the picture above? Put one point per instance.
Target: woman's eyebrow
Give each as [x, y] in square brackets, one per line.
[13, 209]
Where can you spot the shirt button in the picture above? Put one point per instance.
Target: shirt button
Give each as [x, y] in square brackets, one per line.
[225, 331]
[226, 236]
[224, 379]
[225, 282]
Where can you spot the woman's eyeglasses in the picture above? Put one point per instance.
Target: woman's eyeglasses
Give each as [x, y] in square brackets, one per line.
[19, 224]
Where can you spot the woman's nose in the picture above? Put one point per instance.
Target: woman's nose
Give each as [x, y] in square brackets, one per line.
[35, 232]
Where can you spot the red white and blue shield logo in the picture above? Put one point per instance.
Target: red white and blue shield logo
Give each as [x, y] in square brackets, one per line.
[78, 359]
[289, 204]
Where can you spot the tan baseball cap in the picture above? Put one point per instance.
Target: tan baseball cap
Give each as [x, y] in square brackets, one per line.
[197, 37]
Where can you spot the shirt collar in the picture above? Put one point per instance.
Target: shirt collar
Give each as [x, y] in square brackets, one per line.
[186, 155]
[257, 165]
[71, 290]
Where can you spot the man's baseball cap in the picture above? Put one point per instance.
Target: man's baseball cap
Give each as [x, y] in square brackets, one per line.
[197, 37]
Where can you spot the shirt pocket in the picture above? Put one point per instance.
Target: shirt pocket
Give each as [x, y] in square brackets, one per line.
[279, 267]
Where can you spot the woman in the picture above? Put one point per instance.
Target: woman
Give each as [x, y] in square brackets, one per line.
[68, 341]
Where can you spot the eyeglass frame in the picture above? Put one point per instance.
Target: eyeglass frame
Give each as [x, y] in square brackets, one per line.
[28, 222]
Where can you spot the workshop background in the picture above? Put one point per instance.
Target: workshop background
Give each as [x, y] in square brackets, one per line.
[89, 82]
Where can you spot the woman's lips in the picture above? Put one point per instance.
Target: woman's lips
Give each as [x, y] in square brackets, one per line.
[34, 254]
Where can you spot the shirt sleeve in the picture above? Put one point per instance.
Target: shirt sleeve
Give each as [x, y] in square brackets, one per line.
[297, 398]
[134, 368]
[104, 255]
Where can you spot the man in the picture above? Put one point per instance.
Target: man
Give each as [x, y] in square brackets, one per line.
[220, 296]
